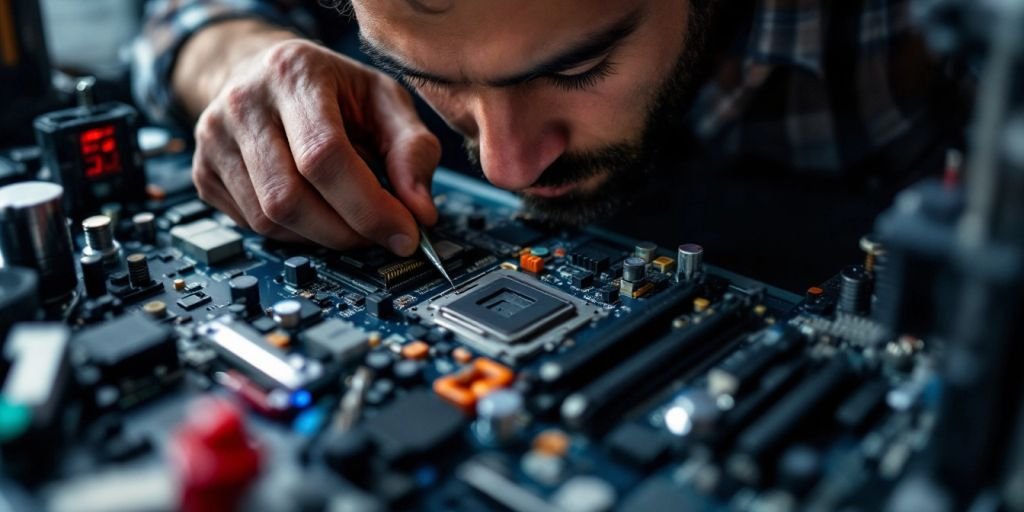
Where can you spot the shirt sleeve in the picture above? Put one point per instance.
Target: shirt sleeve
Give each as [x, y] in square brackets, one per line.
[168, 24]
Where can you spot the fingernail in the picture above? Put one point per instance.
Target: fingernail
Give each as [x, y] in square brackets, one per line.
[401, 244]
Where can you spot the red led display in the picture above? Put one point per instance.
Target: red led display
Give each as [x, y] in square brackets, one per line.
[99, 152]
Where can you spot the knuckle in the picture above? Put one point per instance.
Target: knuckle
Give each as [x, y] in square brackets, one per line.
[239, 99]
[315, 152]
[261, 224]
[281, 206]
[287, 57]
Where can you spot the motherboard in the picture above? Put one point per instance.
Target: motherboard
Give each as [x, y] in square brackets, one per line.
[187, 364]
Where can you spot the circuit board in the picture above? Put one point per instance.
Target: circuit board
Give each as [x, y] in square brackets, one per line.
[572, 370]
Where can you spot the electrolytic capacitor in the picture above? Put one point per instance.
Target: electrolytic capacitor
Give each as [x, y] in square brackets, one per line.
[246, 290]
[99, 239]
[93, 275]
[19, 297]
[299, 271]
[499, 416]
[34, 234]
[145, 227]
[854, 290]
[287, 313]
[633, 269]
[645, 251]
[690, 262]
[138, 270]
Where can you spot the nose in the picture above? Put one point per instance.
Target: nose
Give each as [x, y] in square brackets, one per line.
[517, 140]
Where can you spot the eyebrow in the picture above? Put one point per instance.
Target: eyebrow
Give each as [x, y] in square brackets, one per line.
[589, 47]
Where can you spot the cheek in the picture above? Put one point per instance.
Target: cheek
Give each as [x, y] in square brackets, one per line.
[614, 111]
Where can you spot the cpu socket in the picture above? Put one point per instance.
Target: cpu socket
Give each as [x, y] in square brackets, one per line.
[508, 315]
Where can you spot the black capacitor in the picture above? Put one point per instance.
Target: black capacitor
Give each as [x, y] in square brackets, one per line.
[93, 275]
[34, 233]
[19, 297]
[145, 227]
[298, 271]
[138, 270]
[854, 290]
[407, 372]
[246, 290]
[379, 305]
[633, 269]
[380, 362]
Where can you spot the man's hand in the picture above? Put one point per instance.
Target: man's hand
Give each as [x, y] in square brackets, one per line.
[276, 148]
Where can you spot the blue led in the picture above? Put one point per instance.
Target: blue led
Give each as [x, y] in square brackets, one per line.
[301, 399]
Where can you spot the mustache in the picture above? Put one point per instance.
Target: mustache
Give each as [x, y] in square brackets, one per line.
[572, 167]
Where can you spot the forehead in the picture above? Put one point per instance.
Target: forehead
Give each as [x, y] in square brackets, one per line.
[480, 38]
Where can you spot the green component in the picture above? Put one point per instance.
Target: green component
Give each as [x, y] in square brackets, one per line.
[540, 251]
[14, 420]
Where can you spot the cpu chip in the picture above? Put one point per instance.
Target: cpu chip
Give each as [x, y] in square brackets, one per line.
[508, 315]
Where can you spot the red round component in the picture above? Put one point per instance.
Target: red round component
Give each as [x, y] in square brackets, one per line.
[214, 457]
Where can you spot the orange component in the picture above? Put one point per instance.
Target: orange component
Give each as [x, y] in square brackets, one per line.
[416, 350]
[559, 252]
[815, 291]
[156, 192]
[472, 383]
[531, 263]
[551, 442]
[279, 339]
[461, 355]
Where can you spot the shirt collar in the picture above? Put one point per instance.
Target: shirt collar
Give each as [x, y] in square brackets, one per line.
[787, 32]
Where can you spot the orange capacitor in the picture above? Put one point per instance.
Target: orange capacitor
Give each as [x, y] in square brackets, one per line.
[416, 350]
[462, 355]
[531, 263]
[465, 387]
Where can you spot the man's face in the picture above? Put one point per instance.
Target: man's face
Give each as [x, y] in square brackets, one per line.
[557, 99]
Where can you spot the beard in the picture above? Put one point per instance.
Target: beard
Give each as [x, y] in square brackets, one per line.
[629, 166]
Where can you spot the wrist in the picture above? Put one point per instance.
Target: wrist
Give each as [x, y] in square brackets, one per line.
[215, 53]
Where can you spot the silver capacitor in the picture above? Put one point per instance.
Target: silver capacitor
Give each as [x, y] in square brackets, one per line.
[645, 251]
[499, 416]
[99, 239]
[287, 313]
[690, 262]
[634, 269]
[34, 233]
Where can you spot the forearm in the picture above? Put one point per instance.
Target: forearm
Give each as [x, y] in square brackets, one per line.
[206, 60]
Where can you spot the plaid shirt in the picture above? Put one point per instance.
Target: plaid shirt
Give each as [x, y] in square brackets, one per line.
[812, 85]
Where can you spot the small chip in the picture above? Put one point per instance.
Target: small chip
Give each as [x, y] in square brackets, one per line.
[583, 279]
[342, 340]
[664, 264]
[193, 301]
[760, 309]
[551, 442]
[462, 355]
[415, 426]
[179, 284]
[506, 265]
[700, 304]
[416, 350]
[279, 339]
